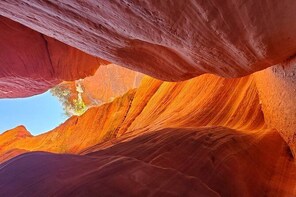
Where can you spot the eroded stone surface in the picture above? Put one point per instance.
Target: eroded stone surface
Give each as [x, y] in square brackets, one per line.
[212, 101]
[31, 63]
[277, 91]
[211, 161]
[170, 40]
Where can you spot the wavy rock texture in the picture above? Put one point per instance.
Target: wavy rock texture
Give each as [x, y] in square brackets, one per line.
[156, 105]
[187, 38]
[211, 161]
[225, 38]
[31, 63]
[91, 128]
[207, 136]
[127, 149]
[212, 101]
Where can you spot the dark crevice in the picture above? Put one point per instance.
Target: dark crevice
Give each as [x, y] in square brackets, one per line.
[48, 54]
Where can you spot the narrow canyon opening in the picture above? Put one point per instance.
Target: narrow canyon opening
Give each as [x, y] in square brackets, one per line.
[148, 98]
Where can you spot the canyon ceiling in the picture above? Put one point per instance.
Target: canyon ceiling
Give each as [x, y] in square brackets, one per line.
[218, 118]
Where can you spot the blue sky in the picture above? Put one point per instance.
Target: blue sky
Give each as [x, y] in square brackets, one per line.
[38, 114]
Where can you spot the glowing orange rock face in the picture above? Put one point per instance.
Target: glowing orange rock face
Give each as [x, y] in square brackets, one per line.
[109, 82]
[11, 137]
[17, 133]
[204, 100]
[77, 133]
[171, 40]
[213, 101]
[217, 144]
[208, 136]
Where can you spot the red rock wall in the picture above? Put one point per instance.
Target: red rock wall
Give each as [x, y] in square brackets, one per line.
[211, 161]
[31, 63]
[170, 40]
[225, 38]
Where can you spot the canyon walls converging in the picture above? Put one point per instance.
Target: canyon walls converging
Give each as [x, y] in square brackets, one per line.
[217, 145]
[155, 105]
[218, 119]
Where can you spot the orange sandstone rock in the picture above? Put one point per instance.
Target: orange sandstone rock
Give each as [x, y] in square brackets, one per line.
[205, 136]
[14, 134]
[212, 101]
[77, 133]
[109, 81]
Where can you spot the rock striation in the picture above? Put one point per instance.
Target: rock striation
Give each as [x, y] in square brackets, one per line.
[158, 139]
[203, 135]
[169, 40]
[155, 105]
[210, 161]
[31, 63]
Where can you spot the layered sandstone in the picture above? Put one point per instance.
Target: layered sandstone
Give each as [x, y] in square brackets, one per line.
[208, 136]
[213, 101]
[156, 38]
[11, 135]
[159, 139]
[171, 40]
[9, 138]
[210, 161]
[31, 63]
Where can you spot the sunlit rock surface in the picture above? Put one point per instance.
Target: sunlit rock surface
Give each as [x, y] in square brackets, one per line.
[17, 133]
[109, 81]
[159, 139]
[11, 137]
[208, 136]
[213, 101]
[170, 40]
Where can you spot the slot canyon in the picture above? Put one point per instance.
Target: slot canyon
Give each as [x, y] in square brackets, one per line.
[162, 97]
